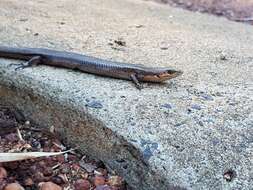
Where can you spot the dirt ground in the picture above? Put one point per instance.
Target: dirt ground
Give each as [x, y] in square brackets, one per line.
[237, 10]
[69, 171]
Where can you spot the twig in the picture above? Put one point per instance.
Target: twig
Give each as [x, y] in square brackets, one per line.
[19, 135]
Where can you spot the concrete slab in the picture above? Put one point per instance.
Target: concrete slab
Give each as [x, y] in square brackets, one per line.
[194, 132]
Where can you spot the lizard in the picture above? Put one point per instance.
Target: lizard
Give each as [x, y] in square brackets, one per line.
[134, 72]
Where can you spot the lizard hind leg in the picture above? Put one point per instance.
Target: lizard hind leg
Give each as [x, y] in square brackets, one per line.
[32, 62]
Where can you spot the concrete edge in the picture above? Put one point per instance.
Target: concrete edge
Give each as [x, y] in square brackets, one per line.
[79, 128]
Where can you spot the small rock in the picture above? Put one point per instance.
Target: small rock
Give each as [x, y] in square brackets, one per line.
[33, 168]
[196, 107]
[27, 123]
[3, 173]
[115, 181]
[229, 175]
[76, 167]
[99, 180]
[139, 26]
[49, 186]
[13, 186]
[39, 177]
[223, 57]
[42, 164]
[87, 166]
[47, 171]
[168, 106]
[215, 141]
[94, 104]
[201, 123]
[57, 180]
[207, 97]
[28, 182]
[120, 42]
[147, 153]
[3, 183]
[82, 184]
[164, 46]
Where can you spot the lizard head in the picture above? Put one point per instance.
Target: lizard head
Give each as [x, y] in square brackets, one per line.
[158, 74]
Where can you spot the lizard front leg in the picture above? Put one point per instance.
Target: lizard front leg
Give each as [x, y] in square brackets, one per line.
[32, 62]
[136, 81]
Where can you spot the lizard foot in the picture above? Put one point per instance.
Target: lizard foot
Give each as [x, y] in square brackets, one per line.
[32, 62]
[18, 65]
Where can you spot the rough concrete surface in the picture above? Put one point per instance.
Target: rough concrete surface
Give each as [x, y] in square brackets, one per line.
[194, 132]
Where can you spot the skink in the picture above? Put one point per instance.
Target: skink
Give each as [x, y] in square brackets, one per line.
[133, 72]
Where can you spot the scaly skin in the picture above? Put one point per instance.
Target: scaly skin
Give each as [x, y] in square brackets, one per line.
[88, 64]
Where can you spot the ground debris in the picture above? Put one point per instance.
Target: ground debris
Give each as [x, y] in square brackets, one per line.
[117, 44]
[70, 170]
[240, 11]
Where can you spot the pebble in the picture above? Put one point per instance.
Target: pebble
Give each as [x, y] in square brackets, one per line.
[147, 153]
[39, 177]
[201, 123]
[168, 106]
[229, 175]
[207, 97]
[139, 26]
[196, 107]
[94, 104]
[120, 42]
[164, 46]
[115, 181]
[3, 173]
[82, 184]
[49, 186]
[99, 180]
[27, 123]
[13, 186]
[28, 182]
[87, 166]
[48, 171]
[223, 57]
[3, 183]
[58, 180]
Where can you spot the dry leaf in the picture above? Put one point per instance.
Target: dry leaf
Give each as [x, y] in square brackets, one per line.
[9, 157]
